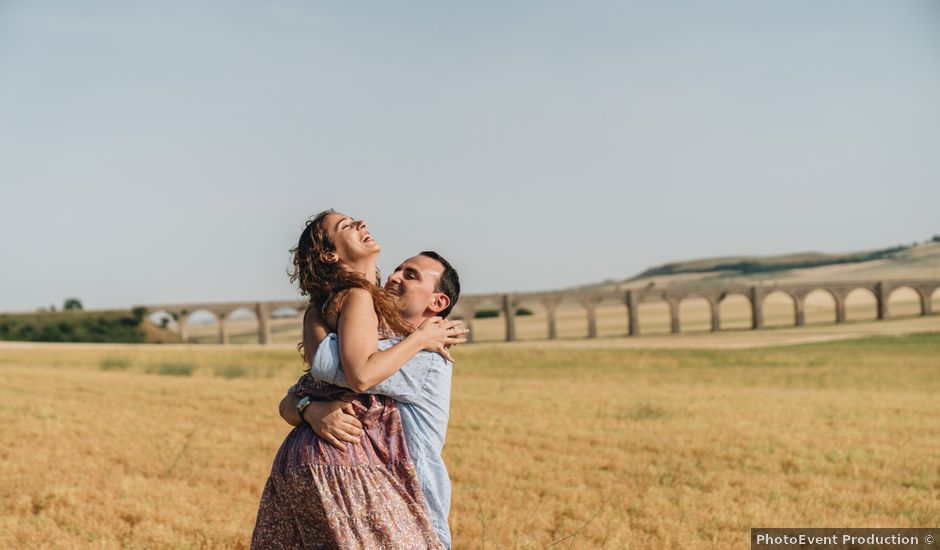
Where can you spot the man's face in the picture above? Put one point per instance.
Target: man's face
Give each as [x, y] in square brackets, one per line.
[414, 283]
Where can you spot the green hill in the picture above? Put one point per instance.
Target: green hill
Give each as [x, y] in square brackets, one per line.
[745, 265]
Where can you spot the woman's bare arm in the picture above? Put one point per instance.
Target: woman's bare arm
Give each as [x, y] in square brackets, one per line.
[315, 330]
[358, 331]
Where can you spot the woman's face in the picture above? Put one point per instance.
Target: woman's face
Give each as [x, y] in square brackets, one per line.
[351, 237]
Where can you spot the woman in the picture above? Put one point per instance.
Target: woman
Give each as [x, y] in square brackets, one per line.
[368, 496]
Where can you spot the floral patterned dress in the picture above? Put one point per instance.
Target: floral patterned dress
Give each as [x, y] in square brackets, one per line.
[367, 497]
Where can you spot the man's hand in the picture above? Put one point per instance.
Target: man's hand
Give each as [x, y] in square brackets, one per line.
[334, 421]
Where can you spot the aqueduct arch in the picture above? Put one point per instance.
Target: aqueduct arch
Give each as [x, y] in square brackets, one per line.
[654, 317]
[570, 315]
[468, 306]
[238, 316]
[905, 301]
[697, 314]
[820, 306]
[163, 315]
[612, 319]
[532, 319]
[184, 325]
[735, 311]
[861, 304]
[781, 308]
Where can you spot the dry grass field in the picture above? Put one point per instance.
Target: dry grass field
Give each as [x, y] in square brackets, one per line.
[169, 446]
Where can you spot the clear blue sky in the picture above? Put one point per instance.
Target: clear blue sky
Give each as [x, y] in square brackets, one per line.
[171, 151]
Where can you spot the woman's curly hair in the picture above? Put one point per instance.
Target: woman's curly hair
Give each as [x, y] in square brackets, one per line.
[324, 282]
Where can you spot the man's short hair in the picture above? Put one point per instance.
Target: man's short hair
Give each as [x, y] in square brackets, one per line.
[449, 282]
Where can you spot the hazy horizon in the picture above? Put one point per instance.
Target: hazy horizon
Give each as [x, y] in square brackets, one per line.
[171, 152]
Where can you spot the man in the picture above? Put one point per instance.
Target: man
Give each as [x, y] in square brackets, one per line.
[426, 286]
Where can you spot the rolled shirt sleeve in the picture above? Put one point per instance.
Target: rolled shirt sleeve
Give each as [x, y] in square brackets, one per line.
[405, 385]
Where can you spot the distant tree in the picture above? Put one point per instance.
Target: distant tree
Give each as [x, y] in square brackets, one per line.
[72, 303]
[139, 312]
[936, 238]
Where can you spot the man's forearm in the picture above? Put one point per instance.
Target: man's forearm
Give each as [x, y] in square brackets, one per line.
[333, 421]
[288, 409]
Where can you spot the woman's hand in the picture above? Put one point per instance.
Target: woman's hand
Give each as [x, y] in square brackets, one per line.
[436, 334]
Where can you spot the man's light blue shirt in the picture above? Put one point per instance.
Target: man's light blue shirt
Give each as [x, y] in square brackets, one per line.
[422, 388]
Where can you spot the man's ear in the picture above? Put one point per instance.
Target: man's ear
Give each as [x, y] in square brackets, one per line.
[329, 257]
[440, 302]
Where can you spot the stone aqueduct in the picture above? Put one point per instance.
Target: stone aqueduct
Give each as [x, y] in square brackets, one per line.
[590, 300]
